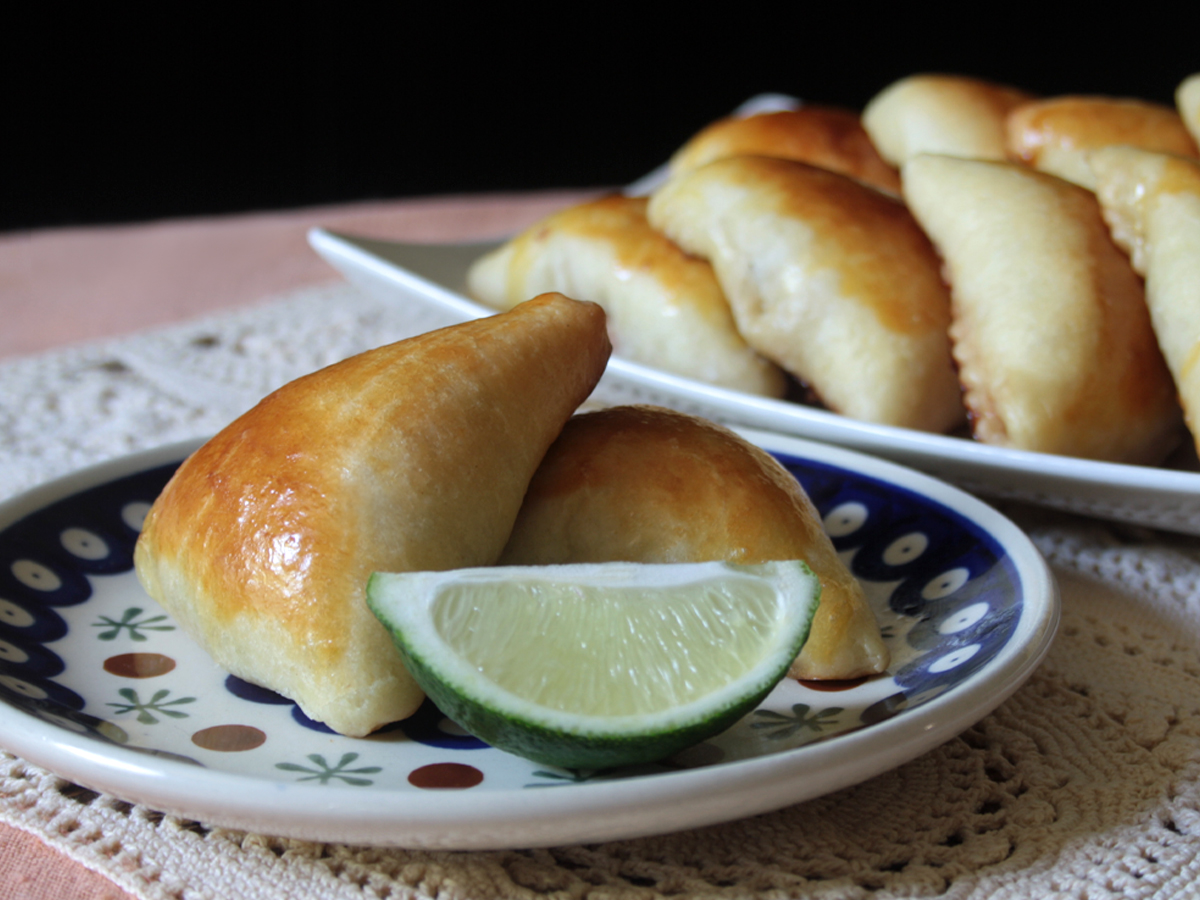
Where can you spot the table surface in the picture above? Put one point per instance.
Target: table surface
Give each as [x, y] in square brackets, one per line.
[63, 286]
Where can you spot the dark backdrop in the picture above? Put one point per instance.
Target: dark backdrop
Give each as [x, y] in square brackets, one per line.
[192, 112]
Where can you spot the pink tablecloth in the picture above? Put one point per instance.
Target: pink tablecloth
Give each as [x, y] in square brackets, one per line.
[68, 285]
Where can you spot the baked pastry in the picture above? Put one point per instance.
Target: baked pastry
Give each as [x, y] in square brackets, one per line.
[1187, 101]
[947, 114]
[824, 136]
[413, 456]
[1152, 204]
[665, 308]
[1051, 333]
[644, 484]
[1055, 135]
[829, 278]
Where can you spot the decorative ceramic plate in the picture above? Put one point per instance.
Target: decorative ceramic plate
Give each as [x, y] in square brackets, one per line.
[99, 685]
[1167, 497]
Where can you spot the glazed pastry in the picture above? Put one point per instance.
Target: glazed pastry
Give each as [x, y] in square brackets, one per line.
[829, 278]
[1187, 100]
[1152, 204]
[1055, 135]
[665, 308]
[1051, 333]
[410, 456]
[823, 136]
[947, 114]
[644, 484]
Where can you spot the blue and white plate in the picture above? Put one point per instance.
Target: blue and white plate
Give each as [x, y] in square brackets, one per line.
[99, 685]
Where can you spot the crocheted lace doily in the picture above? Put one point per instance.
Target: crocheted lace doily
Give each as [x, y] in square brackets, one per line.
[1084, 784]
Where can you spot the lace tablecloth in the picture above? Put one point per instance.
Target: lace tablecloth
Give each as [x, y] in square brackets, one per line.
[1085, 784]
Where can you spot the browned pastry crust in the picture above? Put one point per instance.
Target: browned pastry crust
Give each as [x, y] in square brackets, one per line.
[1051, 333]
[829, 278]
[947, 114]
[1054, 135]
[824, 136]
[665, 308]
[413, 456]
[644, 484]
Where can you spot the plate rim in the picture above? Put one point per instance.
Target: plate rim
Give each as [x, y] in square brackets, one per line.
[610, 810]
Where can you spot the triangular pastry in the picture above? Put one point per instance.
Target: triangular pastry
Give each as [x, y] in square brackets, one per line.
[1053, 341]
[824, 136]
[829, 278]
[644, 484]
[947, 114]
[1152, 204]
[1055, 135]
[413, 456]
[665, 308]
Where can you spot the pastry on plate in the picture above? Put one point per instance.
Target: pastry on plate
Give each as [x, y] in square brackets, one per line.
[1055, 135]
[413, 456]
[824, 136]
[1187, 101]
[644, 484]
[827, 277]
[949, 114]
[1152, 204]
[1051, 333]
[665, 308]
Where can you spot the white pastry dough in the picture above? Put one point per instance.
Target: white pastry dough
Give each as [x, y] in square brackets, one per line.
[1187, 101]
[414, 456]
[947, 114]
[823, 136]
[1056, 134]
[665, 308]
[644, 484]
[1152, 204]
[1051, 332]
[827, 277]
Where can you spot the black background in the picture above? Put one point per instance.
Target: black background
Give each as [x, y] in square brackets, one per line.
[191, 112]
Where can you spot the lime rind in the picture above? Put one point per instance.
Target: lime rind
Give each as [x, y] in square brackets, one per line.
[560, 737]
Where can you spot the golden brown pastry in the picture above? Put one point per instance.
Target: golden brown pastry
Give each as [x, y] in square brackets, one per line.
[1187, 101]
[1152, 204]
[1055, 135]
[644, 484]
[947, 114]
[1051, 333]
[665, 308]
[414, 456]
[829, 278]
[824, 136]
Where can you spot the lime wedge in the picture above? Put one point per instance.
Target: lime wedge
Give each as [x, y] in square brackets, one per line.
[600, 664]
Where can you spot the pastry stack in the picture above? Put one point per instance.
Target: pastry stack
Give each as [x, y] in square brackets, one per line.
[962, 256]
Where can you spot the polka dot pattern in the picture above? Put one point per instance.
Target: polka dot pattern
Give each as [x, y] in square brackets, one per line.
[946, 596]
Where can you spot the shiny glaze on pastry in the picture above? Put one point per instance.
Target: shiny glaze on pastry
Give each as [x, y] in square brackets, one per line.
[413, 456]
[829, 278]
[948, 114]
[1051, 333]
[824, 136]
[1054, 135]
[665, 308]
[645, 484]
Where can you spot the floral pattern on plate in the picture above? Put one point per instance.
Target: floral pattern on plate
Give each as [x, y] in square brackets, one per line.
[98, 683]
[81, 646]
